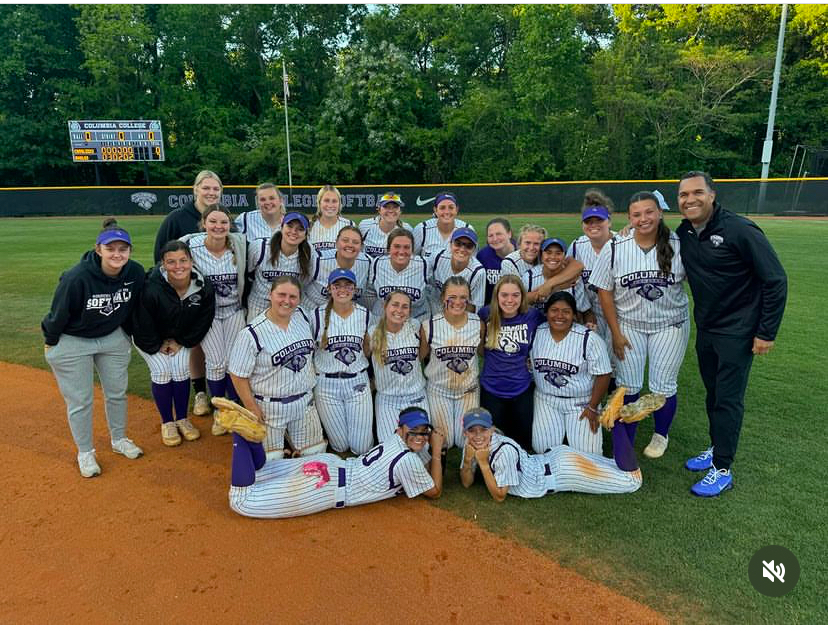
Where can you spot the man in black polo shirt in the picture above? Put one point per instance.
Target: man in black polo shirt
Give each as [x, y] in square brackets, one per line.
[739, 291]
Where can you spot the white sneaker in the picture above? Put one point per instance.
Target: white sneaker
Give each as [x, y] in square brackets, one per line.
[657, 446]
[127, 448]
[87, 464]
[201, 404]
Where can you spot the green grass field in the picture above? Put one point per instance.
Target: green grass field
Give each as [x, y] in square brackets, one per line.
[683, 556]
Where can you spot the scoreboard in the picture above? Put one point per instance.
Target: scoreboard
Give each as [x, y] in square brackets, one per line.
[116, 141]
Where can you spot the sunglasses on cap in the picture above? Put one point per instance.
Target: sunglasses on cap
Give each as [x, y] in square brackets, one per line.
[390, 198]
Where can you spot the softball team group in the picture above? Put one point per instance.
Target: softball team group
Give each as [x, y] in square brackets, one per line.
[367, 340]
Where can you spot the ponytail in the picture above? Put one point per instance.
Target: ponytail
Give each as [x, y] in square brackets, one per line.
[328, 308]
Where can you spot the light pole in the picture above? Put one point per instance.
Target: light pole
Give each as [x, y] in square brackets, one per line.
[767, 148]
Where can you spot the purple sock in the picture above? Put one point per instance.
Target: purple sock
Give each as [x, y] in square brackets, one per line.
[664, 417]
[622, 448]
[163, 394]
[217, 388]
[243, 471]
[631, 428]
[258, 453]
[181, 397]
[231, 390]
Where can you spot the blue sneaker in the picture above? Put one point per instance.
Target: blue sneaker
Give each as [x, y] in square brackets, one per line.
[702, 462]
[714, 483]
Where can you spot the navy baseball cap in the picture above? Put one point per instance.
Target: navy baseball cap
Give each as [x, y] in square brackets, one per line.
[390, 198]
[602, 212]
[115, 234]
[339, 274]
[477, 416]
[414, 417]
[296, 217]
[553, 241]
[464, 233]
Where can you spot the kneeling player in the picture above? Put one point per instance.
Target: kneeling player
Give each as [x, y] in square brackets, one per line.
[311, 484]
[507, 468]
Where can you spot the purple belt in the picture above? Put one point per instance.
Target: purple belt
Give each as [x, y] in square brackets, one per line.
[289, 399]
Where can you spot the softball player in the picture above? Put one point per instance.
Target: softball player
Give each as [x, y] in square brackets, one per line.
[286, 253]
[457, 260]
[452, 339]
[639, 278]
[176, 310]
[266, 220]
[328, 221]
[398, 271]
[433, 235]
[395, 352]
[218, 255]
[595, 222]
[343, 394]
[527, 255]
[499, 246]
[347, 255]
[311, 484]
[506, 383]
[571, 369]
[272, 368]
[375, 230]
[507, 468]
[87, 329]
[555, 273]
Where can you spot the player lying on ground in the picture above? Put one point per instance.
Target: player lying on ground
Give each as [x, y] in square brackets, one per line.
[509, 469]
[311, 484]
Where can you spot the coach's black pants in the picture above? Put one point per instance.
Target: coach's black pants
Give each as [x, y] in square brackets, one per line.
[512, 415]
[724, 364]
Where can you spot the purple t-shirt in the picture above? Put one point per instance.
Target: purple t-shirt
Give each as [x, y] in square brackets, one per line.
[505, 371]
[491, 262]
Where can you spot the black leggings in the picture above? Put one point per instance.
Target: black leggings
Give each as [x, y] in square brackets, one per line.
[512, 415]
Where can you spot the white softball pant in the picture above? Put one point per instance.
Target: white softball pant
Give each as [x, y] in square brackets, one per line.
[218, 342]
[665, 350]
[570, 470]
[346, 411]
[282, 489]
[388, 407]
[296, 417]
[446, 413]
[165, 368]
[556, 417]
[74, 361]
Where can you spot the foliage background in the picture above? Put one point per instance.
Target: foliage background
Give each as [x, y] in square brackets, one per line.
[413, 93]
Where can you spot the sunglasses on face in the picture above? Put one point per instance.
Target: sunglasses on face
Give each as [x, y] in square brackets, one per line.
[466, 245]
[425, 433]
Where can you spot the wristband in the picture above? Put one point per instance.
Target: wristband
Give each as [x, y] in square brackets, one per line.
[592, 409]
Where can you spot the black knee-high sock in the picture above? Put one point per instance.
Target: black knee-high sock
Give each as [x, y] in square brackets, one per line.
[199, 384]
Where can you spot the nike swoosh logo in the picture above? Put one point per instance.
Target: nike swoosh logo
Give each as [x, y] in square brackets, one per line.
[423, 202]
[129, 283]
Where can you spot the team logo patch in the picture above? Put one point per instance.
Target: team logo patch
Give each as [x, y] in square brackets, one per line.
[456, 358]
[294, 356]
[401, 360]
[716, 240]
[650, 292]
[224, 284]
[556, 372]
[345, 348]
[144, 200]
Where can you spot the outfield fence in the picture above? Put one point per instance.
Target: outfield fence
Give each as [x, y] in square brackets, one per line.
[784, 196]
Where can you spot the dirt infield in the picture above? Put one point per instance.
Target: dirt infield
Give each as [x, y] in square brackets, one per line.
[153, 541]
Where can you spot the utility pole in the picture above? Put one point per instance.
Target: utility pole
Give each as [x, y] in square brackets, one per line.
[767, 148]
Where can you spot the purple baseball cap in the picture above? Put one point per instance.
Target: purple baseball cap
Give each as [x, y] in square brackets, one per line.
[296, 217]
[553, 241]
[339, 274]
[414, 418]
[601, 212]
[464, 233]
[115, 234]
[477, 416]
[443, 196]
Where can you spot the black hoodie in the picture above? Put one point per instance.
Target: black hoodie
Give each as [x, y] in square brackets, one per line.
[161, 314]
[88, 303]
[176, 224]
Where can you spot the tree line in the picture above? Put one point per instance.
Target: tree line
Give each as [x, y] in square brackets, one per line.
[413, 93]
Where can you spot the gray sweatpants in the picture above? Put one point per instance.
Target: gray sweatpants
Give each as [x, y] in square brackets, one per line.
[73, 360]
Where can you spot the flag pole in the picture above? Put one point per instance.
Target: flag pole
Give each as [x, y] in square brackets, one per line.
[287, 128]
